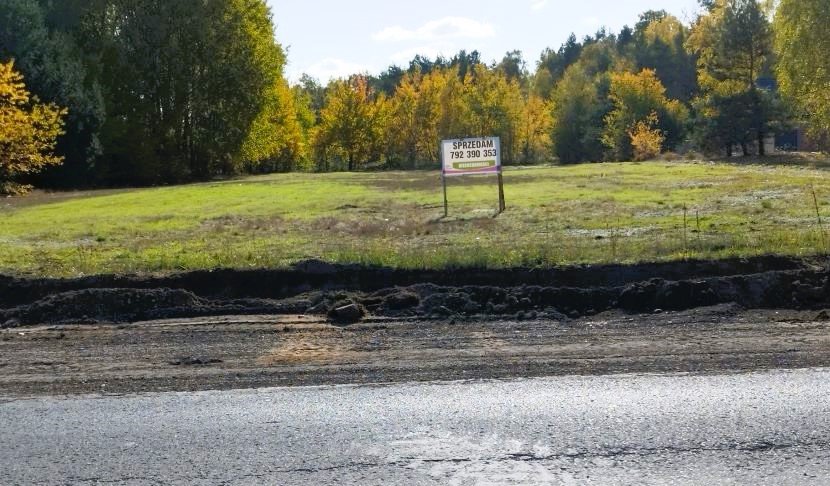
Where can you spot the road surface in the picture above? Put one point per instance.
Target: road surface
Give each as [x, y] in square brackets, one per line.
[770, 427]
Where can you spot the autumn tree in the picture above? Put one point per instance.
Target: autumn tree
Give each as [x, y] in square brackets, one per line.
[47, 42]
[534, 129]
[495, 106]
[455, 111]
[802, 40]
[442, 104]
[28, 131]
[415, 117]
[276, 141]
[430, 111]
[638, 98]
[646, 138]
[351, 124]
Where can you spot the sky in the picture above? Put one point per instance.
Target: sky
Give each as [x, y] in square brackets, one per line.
[329, 39]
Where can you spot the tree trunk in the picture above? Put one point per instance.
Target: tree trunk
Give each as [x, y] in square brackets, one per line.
[729, 150]
[762, 150]
[351, 162]
[745, 149]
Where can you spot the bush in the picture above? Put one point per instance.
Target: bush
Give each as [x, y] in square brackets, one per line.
[646, 139]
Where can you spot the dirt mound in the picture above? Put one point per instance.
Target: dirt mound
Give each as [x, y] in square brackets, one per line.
[787, 289]
[317, 275]
[115, 305]
[791, 290]
[347, 294]
[347, 312]
[132, 305]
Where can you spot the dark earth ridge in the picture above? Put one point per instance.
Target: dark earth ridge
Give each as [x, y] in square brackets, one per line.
[317, 275]
[318, 288]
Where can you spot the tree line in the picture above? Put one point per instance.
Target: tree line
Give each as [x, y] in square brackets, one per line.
[154, 91]
[139, 92]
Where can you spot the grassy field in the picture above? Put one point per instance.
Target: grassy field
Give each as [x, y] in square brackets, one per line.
[557, 215]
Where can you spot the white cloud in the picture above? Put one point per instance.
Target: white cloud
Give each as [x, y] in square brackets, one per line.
[331, 68]
[538, 4]
[445, 28]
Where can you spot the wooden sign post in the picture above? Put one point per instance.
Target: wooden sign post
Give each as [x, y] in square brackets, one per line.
[471, 156]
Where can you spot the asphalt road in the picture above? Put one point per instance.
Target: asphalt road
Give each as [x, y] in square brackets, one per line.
[758, 428]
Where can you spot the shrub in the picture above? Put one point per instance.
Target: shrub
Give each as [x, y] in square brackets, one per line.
[646, 139]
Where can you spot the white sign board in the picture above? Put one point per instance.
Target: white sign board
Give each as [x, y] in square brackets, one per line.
[471, 156]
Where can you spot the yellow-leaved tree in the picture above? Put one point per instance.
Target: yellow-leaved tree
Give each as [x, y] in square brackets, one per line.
[352, 121]
[640, 97]
[275, 140]
[535, 127]
[646, 139]
[28, 131]
[803, 41]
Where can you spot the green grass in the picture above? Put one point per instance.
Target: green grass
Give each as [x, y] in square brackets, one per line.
[580, 214]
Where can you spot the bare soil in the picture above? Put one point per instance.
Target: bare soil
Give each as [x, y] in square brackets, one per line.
[264, 351]
[225, 329]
